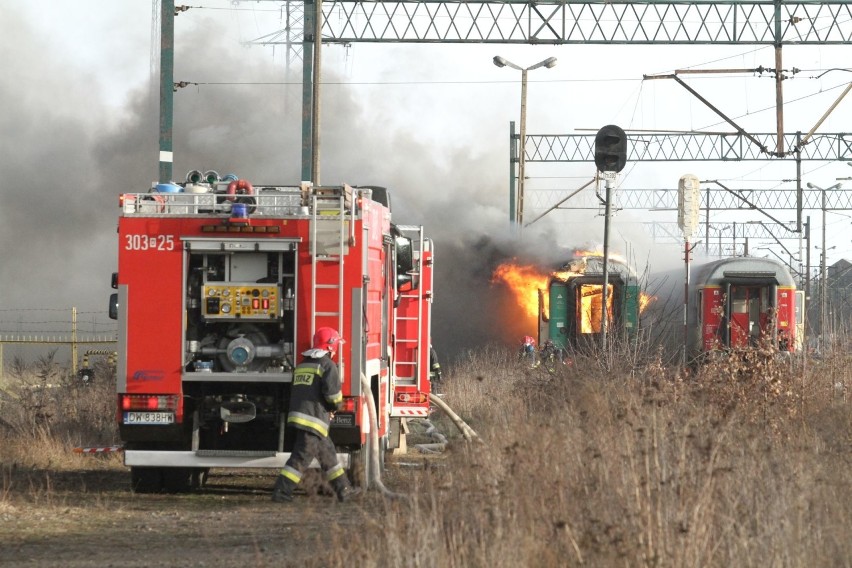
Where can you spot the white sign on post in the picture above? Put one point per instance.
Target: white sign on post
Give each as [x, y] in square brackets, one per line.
[688, 204]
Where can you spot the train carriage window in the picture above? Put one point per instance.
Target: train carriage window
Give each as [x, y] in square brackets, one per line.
[739, 300]
[700, 307]
[754, 311]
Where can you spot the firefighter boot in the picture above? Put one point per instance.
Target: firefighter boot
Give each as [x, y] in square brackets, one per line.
[282, 492]
[344, 490]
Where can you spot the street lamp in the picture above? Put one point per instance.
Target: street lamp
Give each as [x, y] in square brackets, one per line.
[822, 279]
[719, 231]
[502, 62]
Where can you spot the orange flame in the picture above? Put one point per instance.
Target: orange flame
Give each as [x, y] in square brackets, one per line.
[599, 253]
[526, 281]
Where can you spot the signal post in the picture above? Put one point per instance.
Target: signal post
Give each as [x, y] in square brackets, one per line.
[610, 158]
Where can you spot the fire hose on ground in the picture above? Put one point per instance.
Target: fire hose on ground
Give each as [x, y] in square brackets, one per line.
[375, 475]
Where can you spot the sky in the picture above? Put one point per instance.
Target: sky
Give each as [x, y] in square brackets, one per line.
[78, 126]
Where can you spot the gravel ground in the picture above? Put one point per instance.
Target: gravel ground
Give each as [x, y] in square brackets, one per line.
[87, 518]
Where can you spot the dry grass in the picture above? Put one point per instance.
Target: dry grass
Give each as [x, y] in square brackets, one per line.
[618, 462]
[744, 463]
[45, 413]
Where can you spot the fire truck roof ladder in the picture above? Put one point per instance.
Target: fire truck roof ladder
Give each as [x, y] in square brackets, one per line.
[328, 245]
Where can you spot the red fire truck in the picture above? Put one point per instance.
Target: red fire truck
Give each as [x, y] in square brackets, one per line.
[221, 285]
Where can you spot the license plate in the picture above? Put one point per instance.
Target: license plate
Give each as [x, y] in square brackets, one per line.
[344, 420]
[149, 418]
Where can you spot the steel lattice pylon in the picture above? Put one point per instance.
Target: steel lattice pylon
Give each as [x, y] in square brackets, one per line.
[292, 35]
[557, 22]
[690, 146]
[719, 199]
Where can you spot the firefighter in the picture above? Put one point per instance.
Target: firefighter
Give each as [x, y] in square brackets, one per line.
[551, 354]
[528, 351]
[314, 397]
[434, 366]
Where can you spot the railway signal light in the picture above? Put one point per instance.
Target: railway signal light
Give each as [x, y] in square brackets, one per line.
[610, 149]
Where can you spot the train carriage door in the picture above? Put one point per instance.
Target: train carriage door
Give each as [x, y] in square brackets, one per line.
[799, 306]
[748, 314]
[558, 322]
[768, 314]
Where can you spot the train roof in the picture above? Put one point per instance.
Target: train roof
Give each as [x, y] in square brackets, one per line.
[742, 268]
[593, 266]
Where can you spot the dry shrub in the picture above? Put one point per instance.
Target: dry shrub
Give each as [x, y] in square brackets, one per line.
[46, 412]
[642, 465]
[760, 384]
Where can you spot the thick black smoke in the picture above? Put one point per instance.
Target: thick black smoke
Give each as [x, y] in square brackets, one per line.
[67, 155]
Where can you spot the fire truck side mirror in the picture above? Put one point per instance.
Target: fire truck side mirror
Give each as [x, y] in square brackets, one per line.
[113, 306]
[406, 280]
[404, 283]
[114, 282]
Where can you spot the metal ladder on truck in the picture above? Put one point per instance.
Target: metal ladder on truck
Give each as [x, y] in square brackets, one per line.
[406, 368]
[329, 242]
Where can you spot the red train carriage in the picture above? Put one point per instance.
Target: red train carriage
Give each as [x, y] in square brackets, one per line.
[737, 302]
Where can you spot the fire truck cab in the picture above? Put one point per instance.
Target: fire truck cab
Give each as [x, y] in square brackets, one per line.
[220, 286]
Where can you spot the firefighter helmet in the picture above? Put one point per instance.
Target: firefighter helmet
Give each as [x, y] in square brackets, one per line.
[328, 339]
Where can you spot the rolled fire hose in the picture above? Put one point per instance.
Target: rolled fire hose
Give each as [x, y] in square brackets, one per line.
[466, 430]
[440, 443]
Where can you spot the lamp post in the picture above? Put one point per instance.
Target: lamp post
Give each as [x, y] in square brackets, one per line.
[501, 62]
[719, 231]
[823, 291]
[822, 279]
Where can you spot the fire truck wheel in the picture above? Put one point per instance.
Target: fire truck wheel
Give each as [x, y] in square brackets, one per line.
[360, 471]
[395, 434]
[146, 479]
[384, 445]
[178, 479]
[358, 468]
[200, 476]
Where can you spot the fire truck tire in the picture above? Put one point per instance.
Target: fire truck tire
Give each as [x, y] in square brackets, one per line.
[167, 479]
[359, 467]
[395, 435]
[360, 470]
[384, 446]
[146, 479]
[200, 476]
[178, 479]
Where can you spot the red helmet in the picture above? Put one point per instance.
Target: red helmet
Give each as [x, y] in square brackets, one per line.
[528, 340]
[328, 339]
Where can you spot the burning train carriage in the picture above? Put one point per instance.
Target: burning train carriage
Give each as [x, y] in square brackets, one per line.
[571, 311]
[736, 302]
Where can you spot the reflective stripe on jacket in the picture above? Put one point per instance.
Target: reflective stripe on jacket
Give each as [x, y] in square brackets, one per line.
[315, 392]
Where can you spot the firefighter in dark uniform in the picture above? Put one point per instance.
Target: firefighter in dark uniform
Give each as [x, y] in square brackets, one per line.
[314, 396]
[434, 366]
[434, 369]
